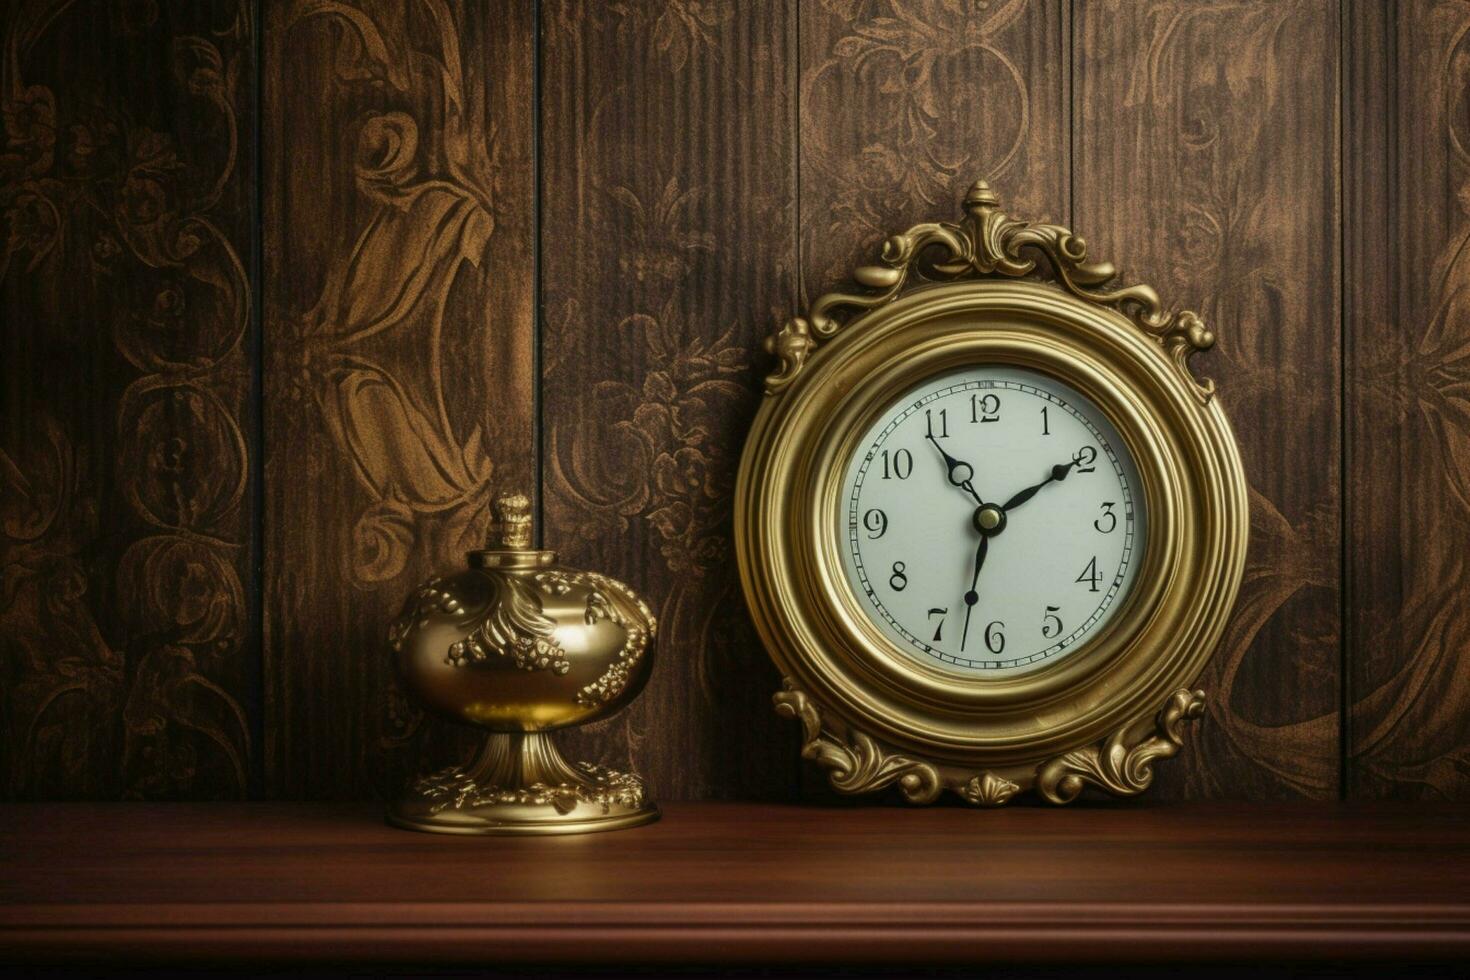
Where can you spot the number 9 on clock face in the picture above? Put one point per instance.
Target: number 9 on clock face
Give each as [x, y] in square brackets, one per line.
[992, 521]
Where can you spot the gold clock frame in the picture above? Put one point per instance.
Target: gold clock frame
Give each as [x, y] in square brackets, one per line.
[945, 295]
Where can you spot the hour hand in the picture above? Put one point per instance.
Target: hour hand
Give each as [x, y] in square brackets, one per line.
[1057, 473]
[960, 472]
[1081, 461]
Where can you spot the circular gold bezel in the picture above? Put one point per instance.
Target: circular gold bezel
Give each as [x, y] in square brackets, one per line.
[788, 528]
[949, 343]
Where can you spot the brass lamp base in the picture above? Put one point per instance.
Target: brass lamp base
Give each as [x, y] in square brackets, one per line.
[518, 783]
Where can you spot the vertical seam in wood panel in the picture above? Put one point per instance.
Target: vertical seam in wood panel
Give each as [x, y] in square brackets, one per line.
[798, 771]
[256, 359]
[1344, 100]
[799, 283]
[537, 433]
[1069, 35]
[1391, 123]
[1394, 308]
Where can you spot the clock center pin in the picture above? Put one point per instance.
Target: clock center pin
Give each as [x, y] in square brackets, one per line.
[990, 520]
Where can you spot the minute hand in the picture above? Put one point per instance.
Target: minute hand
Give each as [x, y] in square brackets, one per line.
[1058, 473]
[972, 596]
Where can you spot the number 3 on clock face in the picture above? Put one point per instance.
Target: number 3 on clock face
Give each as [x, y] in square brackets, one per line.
[992, 521]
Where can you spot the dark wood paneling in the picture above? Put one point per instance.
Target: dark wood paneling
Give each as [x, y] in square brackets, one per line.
[704, 167]
[1406, 118]
[668, 241]
[757, 884]
[398, 222]
[127, 662]
[1206, 166]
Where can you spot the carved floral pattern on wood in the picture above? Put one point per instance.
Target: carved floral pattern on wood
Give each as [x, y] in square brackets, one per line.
[1410, 735]
[944, 99]
[398, 336]
[1193, 206]
[431, 190]
[113, 654]
[659, 274]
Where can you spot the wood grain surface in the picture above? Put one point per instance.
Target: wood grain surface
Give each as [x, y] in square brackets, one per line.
[128, 666]
[668, 236]
[747, 883]
[1206, 157]
[1406, 122]
[398, 196]
[510, 244]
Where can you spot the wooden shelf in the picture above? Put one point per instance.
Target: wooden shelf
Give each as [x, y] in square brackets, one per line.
[738, 883]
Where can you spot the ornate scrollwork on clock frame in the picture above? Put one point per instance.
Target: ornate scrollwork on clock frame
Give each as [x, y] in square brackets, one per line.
[989, 289]
[856, 763]
[1123, 763]
[987, 242]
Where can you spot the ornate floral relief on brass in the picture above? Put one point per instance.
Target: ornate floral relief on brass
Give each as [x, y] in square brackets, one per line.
[987, 242]
[855, 763]
[517, 627]
[613, 680]
[459, 788]
[988, 789]
[514, 627]
[1122, 764]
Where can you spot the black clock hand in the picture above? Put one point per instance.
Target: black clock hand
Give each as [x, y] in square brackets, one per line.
[955, 468]
[1058, 473]
[972, 596]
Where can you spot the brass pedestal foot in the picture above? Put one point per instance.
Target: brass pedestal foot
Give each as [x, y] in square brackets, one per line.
[518, 783]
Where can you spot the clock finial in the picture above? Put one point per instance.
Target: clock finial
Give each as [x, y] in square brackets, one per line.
[980, 196]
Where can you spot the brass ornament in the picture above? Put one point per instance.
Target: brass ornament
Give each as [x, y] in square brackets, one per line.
[520, 646]
[989, 289]
[987, 242]
[1122, 765]
[855, 763]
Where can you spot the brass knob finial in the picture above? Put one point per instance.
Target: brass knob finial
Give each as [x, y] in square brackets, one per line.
[980, 196]
[510, 526]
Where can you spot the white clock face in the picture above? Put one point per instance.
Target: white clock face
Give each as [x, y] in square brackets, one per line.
[992, 521]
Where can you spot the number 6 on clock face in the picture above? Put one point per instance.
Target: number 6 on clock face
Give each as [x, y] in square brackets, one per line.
[992, 521]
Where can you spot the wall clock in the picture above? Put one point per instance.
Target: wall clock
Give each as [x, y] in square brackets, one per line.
[989, 523]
